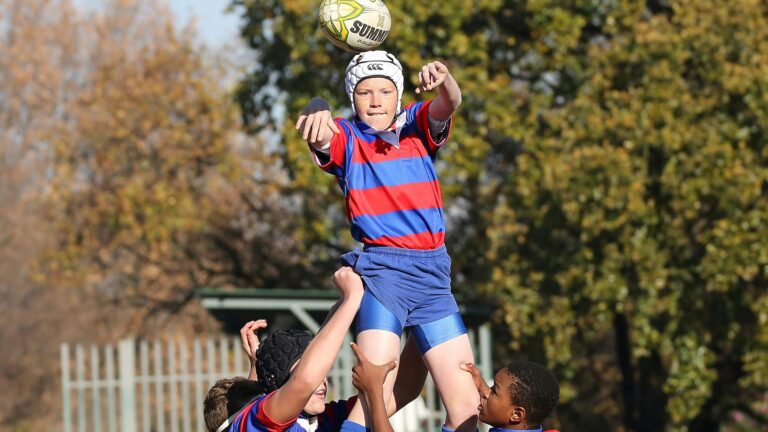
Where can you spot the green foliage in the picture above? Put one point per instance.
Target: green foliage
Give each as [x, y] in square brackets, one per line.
[606, 185]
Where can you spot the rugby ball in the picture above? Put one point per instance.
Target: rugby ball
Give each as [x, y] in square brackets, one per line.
[355, 25]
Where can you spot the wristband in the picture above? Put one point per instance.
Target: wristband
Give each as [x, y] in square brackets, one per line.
[325, 149]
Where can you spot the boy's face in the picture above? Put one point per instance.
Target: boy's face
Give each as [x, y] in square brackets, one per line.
[496, 407]
[376, 102]
[316, 403]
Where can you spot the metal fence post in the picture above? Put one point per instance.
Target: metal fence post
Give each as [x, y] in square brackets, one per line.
[66, 402]
[95, 389]
[126, 363]
[80, 386]
[486, 359]
[486, 356]
[346, 370]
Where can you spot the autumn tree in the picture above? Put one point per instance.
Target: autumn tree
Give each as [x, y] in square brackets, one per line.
[125, 183]
[156, 191]
[146, 140]
[36, 45]
[605, 185]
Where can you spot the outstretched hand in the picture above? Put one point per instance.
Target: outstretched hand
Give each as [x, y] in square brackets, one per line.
[315, 122]
[368, 377]
[249, 338]
[431, 76]
[480, 383]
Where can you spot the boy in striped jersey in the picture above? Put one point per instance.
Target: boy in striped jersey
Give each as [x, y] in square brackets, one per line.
[383, 160]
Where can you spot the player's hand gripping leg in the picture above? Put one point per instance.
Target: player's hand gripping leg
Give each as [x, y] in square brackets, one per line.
[379, 347]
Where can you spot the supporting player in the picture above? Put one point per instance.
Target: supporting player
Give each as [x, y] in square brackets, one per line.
[524, 393]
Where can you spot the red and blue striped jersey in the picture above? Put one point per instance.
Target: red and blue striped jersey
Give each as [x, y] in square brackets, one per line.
[392, 194]
[254, 419]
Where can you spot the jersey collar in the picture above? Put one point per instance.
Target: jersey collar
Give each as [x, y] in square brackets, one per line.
[390, 135]
[309, 424]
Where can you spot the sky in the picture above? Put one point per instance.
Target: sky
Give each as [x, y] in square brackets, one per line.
[216, 27]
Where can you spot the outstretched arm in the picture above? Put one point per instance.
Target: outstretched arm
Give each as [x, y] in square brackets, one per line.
[289, 400]
[369, 379]
[436, 75]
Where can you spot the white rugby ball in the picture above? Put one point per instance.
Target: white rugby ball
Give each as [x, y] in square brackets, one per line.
[355, 25]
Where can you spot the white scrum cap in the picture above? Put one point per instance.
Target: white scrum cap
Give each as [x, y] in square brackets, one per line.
[371, 64]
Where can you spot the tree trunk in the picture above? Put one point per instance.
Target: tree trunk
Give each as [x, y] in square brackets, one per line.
[641, 384]
[624, 359]
[652, 414]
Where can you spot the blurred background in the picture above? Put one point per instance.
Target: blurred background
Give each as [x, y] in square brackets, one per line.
[605, 187]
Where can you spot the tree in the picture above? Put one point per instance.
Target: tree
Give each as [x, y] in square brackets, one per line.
[35, 70]
[606, 185]
[156, 192]
[125, 183]
[136, 168]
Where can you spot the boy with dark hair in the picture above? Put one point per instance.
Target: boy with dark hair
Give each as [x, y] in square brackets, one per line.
[226, 398]
[524, 393]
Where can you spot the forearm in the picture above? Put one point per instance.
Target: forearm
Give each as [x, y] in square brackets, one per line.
[314, 365]
[252, 374]
[379, 414]
[321, 352]
[447, 101]
[331, 311]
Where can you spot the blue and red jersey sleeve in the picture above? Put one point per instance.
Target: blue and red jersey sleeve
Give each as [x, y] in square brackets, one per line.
[419, 112]
[334, 161]
[255, 419]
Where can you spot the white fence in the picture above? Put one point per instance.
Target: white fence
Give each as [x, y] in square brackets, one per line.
[160, 386]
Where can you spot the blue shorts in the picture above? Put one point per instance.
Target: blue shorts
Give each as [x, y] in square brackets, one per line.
[374, 316]
[413, 285]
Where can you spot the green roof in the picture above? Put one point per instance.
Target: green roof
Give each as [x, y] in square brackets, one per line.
[471, 308]
[281, 293]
